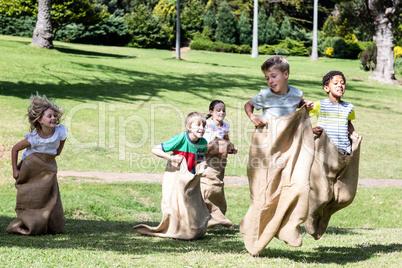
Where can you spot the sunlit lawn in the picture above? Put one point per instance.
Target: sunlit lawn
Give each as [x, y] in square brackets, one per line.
[120, 102]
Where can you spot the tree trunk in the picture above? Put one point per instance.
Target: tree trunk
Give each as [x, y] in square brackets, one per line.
[384, 71]
[178, 29]
[254, 52]
[314, 51]
[42, 35]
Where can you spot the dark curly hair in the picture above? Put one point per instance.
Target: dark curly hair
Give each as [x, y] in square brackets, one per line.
[330, 75]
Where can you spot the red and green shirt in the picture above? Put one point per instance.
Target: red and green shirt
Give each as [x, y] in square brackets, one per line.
[182, 144]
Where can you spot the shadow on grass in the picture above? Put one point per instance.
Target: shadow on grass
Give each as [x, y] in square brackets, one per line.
[79, 52]
[108, 83]
[334, 255]
[119, 237]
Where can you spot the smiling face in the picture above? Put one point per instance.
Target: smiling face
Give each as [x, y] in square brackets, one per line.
[196, 130]
[49, 119]
[218, 113]
[277, 80]
[335, 88]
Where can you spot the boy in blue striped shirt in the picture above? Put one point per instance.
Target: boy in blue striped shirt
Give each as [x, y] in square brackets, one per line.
[335, 115]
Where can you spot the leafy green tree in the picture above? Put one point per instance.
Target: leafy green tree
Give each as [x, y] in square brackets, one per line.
[192, 18]
[43, 32]
[209, 25]
[112, 32]
[382, 18]
[272, 34]
[298, 34]
[262, 26]
[145, 28]
[165, 11]
[52, 15]
[245, 32]
[227, 25]
[330, 29]
[15, 8]
[76, 11]
[286, 28]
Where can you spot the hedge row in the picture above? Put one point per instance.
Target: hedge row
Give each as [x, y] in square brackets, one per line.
[285, 47]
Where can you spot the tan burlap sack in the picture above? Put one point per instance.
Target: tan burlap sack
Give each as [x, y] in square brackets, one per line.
[185, 215]
[39, 209]
[333, 182]
[212, 182]
[278, 170]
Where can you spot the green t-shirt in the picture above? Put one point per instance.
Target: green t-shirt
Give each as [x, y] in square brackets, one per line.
[182, 144]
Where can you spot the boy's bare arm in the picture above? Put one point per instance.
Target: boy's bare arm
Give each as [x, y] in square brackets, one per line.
[157, 150]
[309, 104]
[256, 119]
[351, 130]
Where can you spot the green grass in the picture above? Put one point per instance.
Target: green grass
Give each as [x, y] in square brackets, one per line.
[121, 102]
[101, 217]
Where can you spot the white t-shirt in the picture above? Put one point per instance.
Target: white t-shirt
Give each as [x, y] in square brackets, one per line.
[212, 130]
[46, 146]
[274, 105]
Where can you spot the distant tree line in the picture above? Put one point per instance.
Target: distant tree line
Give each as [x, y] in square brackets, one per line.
[285, 26]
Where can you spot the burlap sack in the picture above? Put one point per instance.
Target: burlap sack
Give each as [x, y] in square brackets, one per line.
[333, 182]
[278, 170]
[39, 209]
[212, 182]
[185, 215]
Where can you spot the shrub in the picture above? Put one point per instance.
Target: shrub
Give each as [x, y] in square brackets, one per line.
[299, 34]
[368, 58]
[206, 44]
[17, 26]
[202, 44]
[329, 52]
[397, 52]
[398, 66]
[280, 51]
[245, 49]
[345, 49]
[266, 50]
[112, 32]
[293, 47]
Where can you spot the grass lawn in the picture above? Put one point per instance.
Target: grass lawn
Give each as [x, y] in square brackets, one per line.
[99, 233]
[121, 102]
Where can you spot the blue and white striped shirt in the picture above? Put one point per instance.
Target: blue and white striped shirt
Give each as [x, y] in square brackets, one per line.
[334, 118]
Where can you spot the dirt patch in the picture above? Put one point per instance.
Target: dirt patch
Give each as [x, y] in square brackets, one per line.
[157, 178]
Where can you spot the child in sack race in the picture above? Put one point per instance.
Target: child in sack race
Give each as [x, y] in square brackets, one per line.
[335, 171]
[219, 146]
[185, 215]
[39, 209]
[279, 166]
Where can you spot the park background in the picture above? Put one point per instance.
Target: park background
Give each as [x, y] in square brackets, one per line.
[121, 101]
